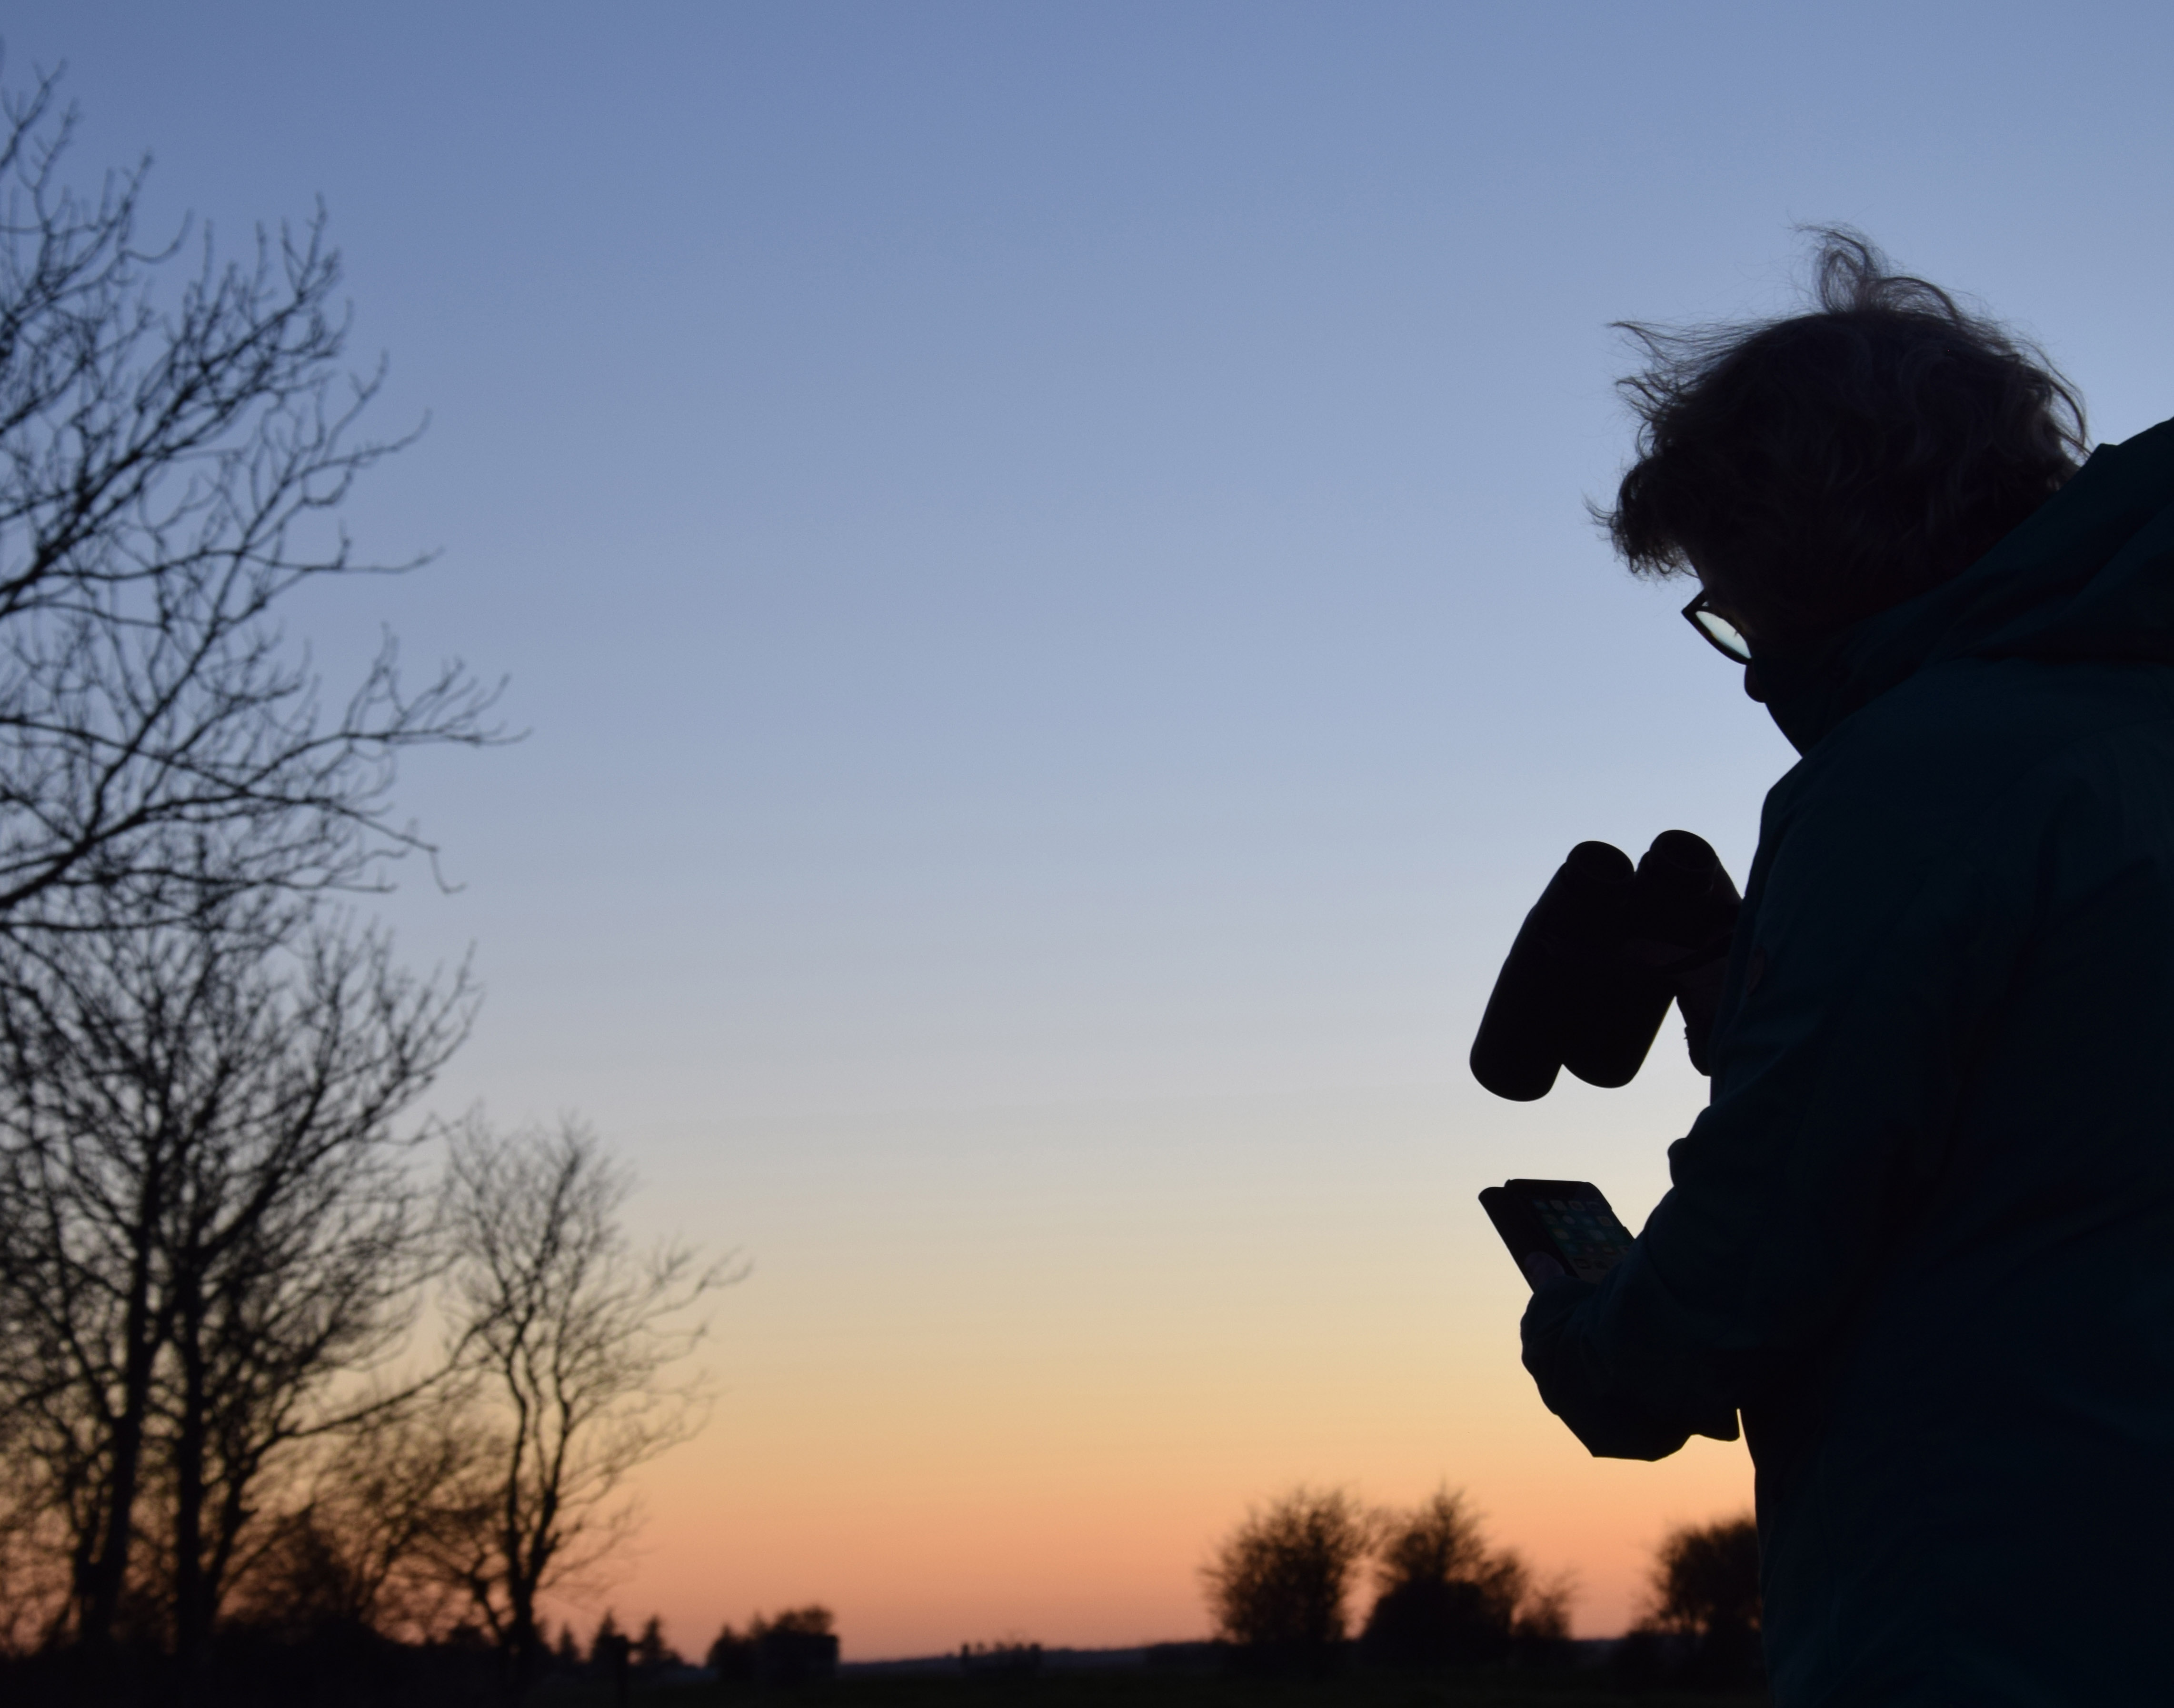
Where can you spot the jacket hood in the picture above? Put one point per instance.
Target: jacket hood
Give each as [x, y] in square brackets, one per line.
[2090, 577]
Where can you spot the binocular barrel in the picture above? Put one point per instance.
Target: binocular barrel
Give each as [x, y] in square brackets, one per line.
[1598, 959]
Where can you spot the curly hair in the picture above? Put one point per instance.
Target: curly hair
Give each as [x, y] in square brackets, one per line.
[1819, 467]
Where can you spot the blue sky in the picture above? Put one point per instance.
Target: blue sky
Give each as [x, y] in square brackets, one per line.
[1040, 551]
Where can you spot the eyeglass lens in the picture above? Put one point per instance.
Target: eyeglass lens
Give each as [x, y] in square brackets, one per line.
[1723, 633]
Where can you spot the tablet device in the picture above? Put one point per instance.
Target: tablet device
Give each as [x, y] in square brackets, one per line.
[1566, 1221]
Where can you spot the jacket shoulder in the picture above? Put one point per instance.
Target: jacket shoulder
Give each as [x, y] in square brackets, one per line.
[1940, 756]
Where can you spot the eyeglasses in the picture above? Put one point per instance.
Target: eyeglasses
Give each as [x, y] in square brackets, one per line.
[1724, 636]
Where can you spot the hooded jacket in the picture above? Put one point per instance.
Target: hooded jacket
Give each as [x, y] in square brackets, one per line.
[1923, 1237]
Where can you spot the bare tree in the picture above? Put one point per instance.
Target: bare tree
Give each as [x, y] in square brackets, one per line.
[169, 470]
[574, 1335]
[1280, 1582]
[212, 1223]
[210, 1228]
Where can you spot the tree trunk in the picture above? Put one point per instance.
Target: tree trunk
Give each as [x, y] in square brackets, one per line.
[102, 1573]
[520, 1653]
[522, 1643]
[191, 1599]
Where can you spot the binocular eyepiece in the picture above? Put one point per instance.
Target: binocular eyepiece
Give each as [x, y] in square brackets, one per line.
[1603, 952]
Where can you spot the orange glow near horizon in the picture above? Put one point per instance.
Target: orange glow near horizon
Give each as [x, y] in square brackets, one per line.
[933, 1548]
[1032, 1412]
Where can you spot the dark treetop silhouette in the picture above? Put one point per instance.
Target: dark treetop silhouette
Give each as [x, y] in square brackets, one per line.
[1923, 1237]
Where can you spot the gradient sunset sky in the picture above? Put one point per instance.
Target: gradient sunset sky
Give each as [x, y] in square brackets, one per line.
[1040, 547]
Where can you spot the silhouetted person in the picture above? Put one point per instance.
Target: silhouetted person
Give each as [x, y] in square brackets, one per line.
[1923, 1237]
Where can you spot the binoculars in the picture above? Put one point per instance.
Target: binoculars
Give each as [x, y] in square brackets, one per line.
[1603, 952]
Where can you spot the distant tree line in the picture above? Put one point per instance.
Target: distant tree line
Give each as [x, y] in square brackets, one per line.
[791, 1647]
[279, 1358]
[1281, 1589]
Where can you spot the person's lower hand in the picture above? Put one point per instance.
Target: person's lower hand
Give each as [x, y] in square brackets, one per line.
[1540, 1269]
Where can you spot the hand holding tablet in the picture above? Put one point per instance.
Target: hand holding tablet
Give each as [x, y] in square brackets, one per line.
[1557, 1228]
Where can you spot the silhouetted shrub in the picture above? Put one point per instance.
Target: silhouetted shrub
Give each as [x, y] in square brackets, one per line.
[1445, 1598]
[652, 1656]
[1540, 1636]
[1703, 1626]
[1278, 1586]
[797, 1645]
[611, 1654]
[1012, 1659]
[731, 1656]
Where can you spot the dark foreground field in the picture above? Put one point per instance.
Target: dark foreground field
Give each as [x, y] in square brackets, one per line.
[1142, 1687]
[387, 1676]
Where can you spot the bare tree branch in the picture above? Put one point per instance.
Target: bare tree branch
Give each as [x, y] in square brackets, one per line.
[168, 477]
